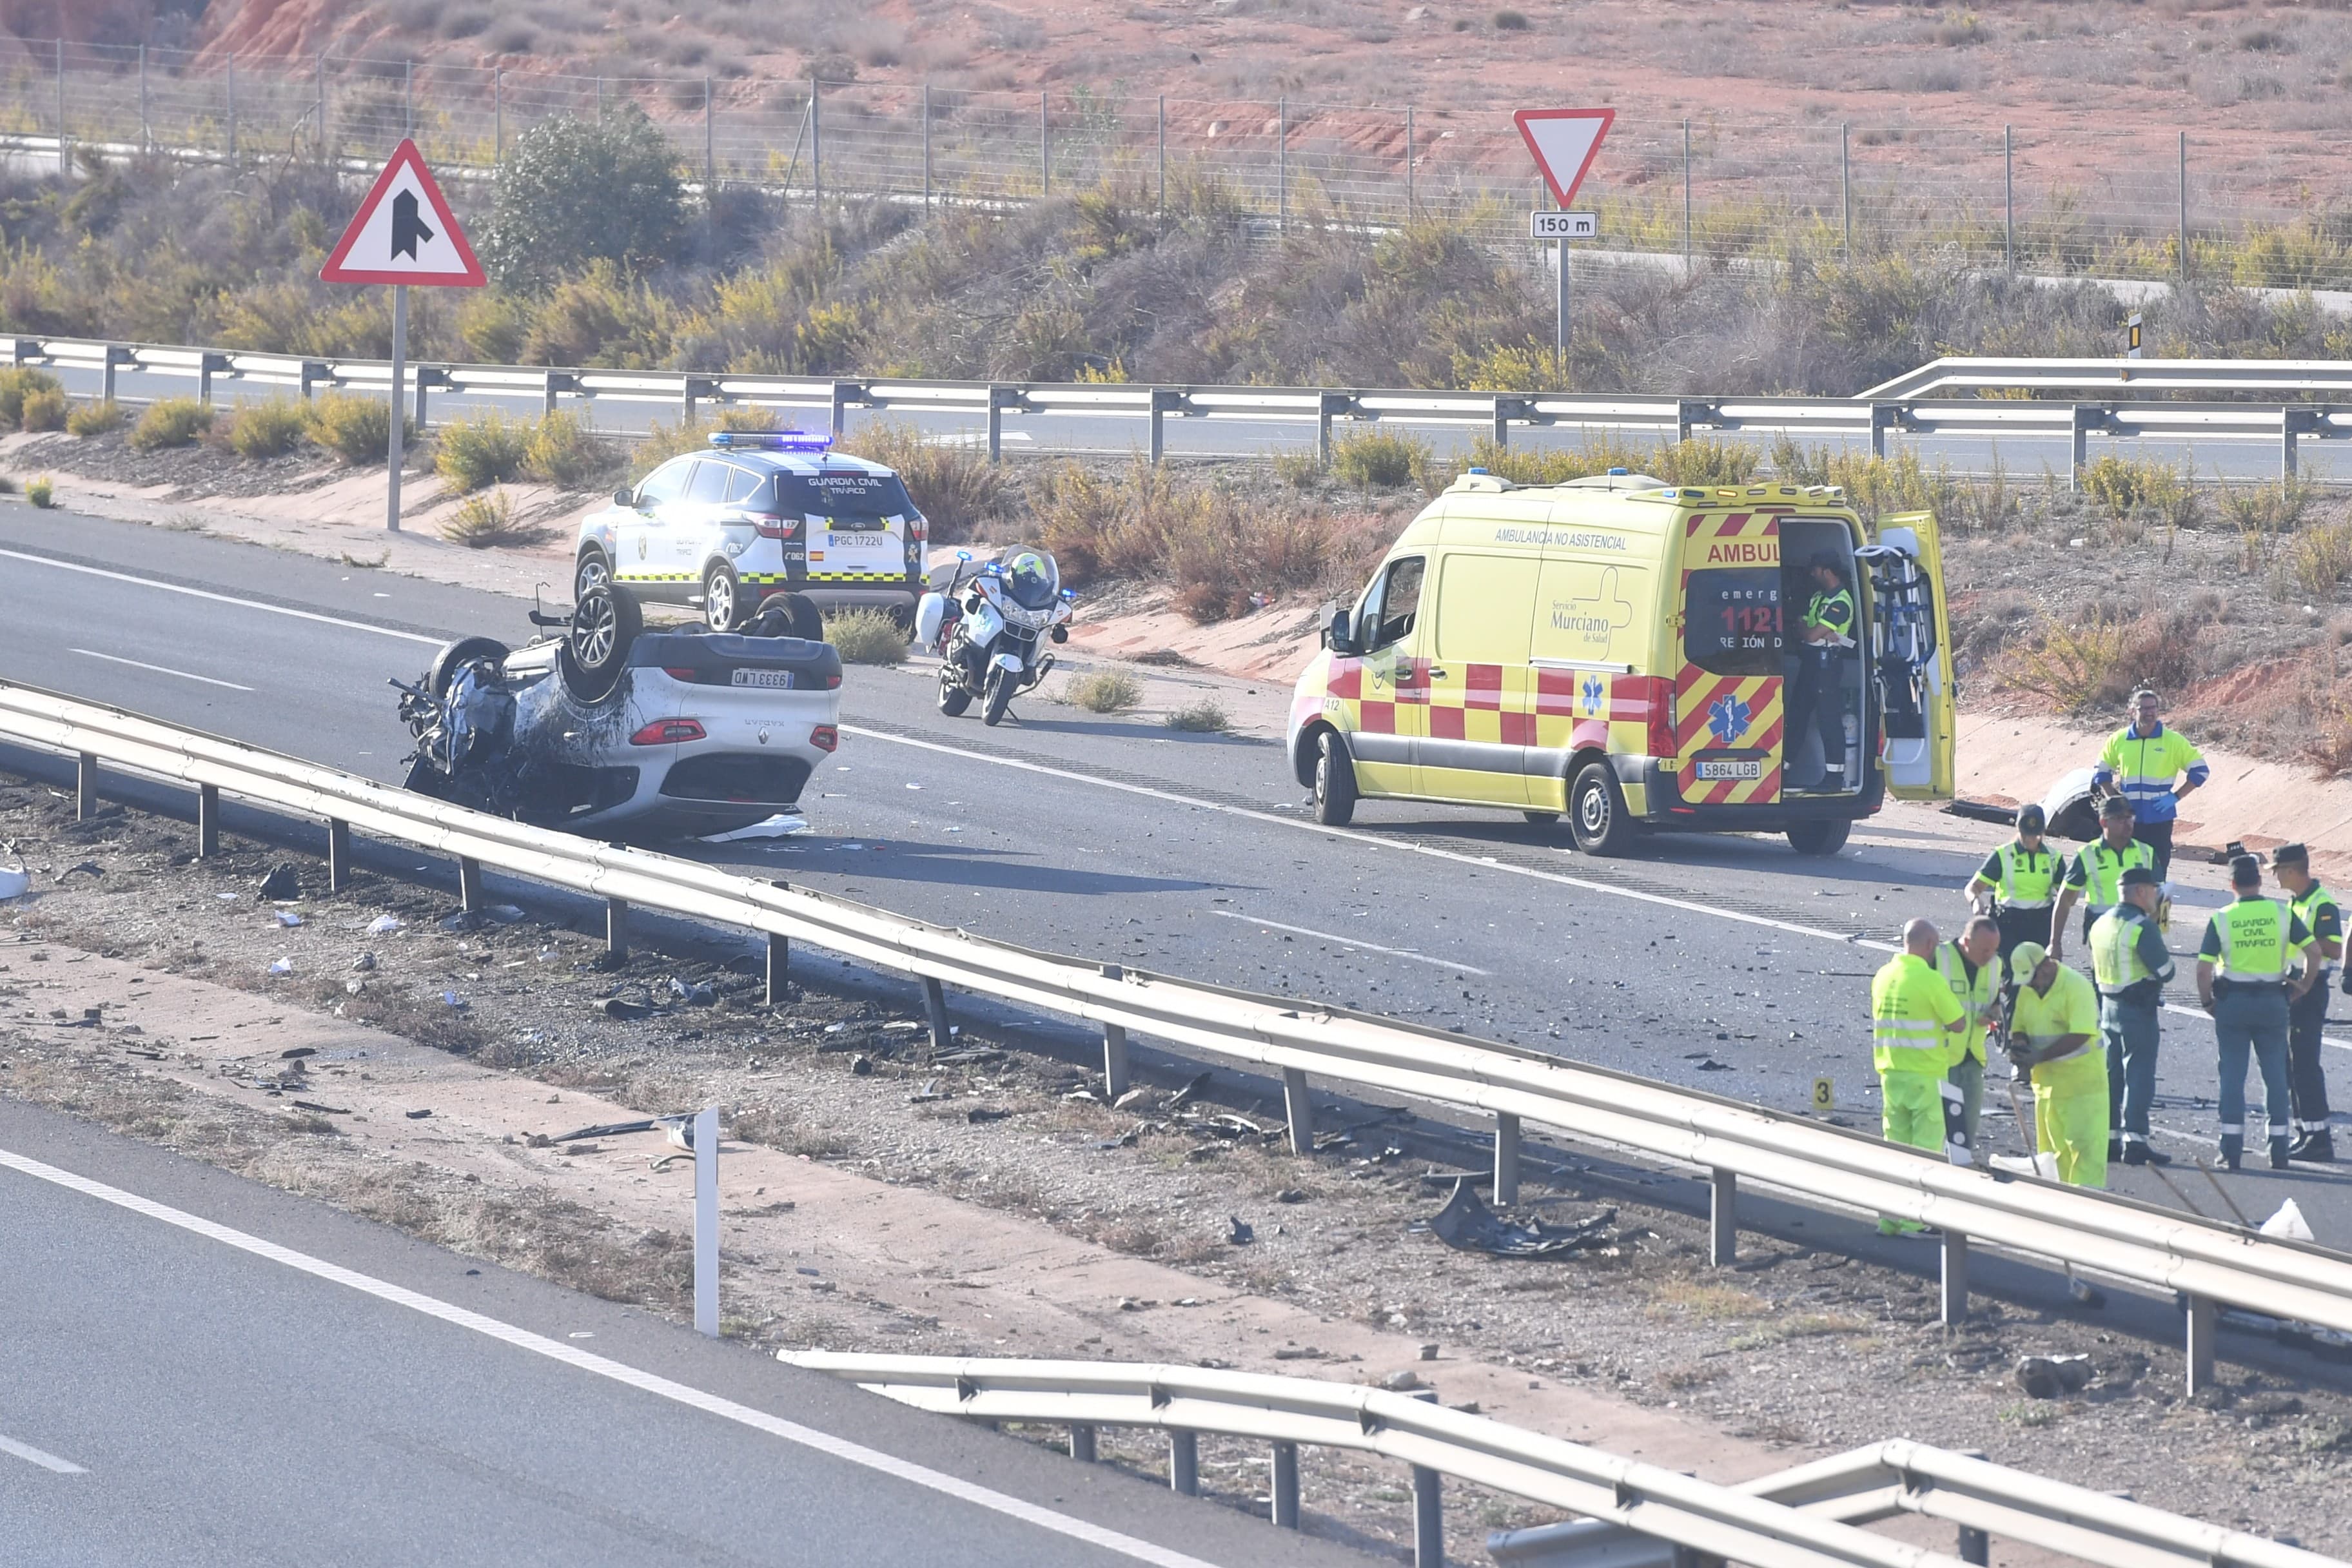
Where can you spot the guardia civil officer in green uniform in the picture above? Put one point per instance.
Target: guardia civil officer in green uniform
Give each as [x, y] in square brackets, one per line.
[2095, 874]
[2307, 1013]
[2130, 962]
[1826, 641]
[2017, 882]
[2245, 977]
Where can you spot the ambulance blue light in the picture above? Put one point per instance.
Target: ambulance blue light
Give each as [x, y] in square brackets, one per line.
[1615, 472]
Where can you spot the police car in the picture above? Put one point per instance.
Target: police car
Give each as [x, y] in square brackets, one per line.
[759, 514]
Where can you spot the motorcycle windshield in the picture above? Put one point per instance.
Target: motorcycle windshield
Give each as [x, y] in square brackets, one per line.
[1031, 580]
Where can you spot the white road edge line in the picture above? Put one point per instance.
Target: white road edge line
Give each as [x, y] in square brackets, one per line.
[40, 1456]
[661, 1387]
[159, 669]
[216, 598]
[1374, 841]
[1351, 941]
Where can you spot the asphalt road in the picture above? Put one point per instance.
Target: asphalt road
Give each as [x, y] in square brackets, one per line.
[1726, 963]
[172, 1396]
[1066, 431]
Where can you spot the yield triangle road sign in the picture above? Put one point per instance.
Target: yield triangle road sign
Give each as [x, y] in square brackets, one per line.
[405, 233]
[1564, 141]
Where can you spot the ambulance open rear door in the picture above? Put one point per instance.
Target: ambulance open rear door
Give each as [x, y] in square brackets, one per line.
[1911, 649]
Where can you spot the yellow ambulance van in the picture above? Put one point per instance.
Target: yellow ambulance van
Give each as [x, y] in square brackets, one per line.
[1639, 655]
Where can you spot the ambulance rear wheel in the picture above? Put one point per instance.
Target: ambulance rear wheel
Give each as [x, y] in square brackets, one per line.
[1822, 835]
[1335, 782]
[1596, 812]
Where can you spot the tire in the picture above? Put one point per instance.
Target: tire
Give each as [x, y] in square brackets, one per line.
[445, 666]
[1596, 812]
[722, 598]
[807, 624]
[1334, 781]
[591, 570]
[953, 700]
[997, 699]
[596, 649]
[1820, 837]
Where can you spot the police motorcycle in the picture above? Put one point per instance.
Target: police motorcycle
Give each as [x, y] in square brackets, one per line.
[986, 624]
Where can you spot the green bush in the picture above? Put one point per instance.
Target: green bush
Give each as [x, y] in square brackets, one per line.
[484, 522]
[574, 190]
[355, 428]
[48, 410]
[865, 637]
[18, 382]
[662, 442]
[562, 451]
[1377, 459]
[1103, 690]
[41, 494]
[268, 429]
[957, 488]
[1206, 716]
[171, 422]
[489, 448]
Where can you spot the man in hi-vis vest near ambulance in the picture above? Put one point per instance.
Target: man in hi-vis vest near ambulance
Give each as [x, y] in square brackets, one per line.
[2154, 768]
[1918, 1030]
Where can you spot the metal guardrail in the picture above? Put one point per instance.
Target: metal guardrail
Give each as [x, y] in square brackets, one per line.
[1636, 1515]
[1961, 373]
[2209, 1264]
[1871, 418]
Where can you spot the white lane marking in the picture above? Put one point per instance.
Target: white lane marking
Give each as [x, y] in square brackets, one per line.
[216, 598]
[1377, 842]
[1352, 941]
[40, 1456]
[555, 1350]
[159, 669]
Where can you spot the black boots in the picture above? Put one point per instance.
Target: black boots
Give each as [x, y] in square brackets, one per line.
[2314, 1146]
[2278, 1154]
[2233, 1148]
[2138, 1153]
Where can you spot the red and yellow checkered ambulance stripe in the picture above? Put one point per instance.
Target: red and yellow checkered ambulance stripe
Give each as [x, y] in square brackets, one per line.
[1724, 715]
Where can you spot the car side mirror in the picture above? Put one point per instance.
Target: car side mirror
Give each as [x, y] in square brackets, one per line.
[1339, 637]
[625, 499]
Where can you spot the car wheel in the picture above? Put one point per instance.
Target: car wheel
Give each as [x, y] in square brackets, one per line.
[1597, 812]
[997, 699]
[445, 666]
[1820, 836]
[1335, 782]
[603, 623]
[722, 599]
[593, 572]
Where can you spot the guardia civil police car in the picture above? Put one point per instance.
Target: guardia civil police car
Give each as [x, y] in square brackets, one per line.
[759, 514]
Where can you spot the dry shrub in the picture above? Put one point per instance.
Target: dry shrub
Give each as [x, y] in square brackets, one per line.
[2091, 664]
[1103, 690]
[563, 451]
[489, 448]
[488, 521]
[2318, 561]
[17, 384]
[1378, 459]
[268, 429]
[866, 636]
[1876, 485]
[354, 427]
[954, 486]
[1207, 716]
[51, 410]
[171, 422]
[1702, 460]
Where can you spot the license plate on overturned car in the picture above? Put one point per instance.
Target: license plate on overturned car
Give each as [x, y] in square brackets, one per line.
[782, 681]
[1731, 767]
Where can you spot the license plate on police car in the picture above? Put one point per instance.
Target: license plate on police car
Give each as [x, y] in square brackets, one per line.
[1731, 767]
[780, 680]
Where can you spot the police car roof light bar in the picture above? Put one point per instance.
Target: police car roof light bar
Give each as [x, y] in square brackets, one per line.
[771, 440]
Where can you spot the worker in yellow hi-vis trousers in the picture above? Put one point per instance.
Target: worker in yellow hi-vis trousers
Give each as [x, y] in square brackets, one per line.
[1918, 1030]
[2055, 1035]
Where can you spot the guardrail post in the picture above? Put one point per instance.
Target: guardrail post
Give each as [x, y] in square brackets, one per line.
[780, 961]
[1327, 405]
[1976, 1546]
[1952, 1300]
[551, 383]
[1723, 1218]
[1286, 1486]
[935, 1002]
[1507, 1159]
[1884, 417]
[1503, 408]
[313, 373]
[470, 885]
[1165, 400]
[845, 394]
[1081, 1443]
[2086, 419]
[1184, 1463]
[1428, 1519]
[116, 356]
[1117, 1078]
[23, 351]
[2294, 423]
[339, 855]
[1000, 398]
[209, 365]
[1299, 1104]
[616, 927]
[2204, 1326]
[207, 821]
[706, 1222]
[86, 787]
[424, 379]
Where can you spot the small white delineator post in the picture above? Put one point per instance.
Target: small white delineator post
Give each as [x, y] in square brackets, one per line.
[706, 1222]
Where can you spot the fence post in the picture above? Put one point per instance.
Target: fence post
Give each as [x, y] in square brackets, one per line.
[1281, 165]
[65, 154]
[1044, 149]
[2184, 206]
[816, 148]
[1952, 1299]
[1163, 155]
[1285, 1499]
[1845, 188]
[86, 787]
[207, 821]
[1687, 199]
[1407, 163]
[230, 81]
[498, 115]
[709, 146]
[706, 1222]
[927, 149]
[2204, 1323]
[1428, 1519]
[1507, 1159]
[1723, 1218]
[2008, 200]
[1298, 1106]
[339, 855]
[1184, 1463]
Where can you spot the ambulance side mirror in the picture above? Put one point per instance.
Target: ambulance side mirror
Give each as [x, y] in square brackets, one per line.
[1339, 637]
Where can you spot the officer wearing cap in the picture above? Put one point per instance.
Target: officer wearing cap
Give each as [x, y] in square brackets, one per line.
[2131, 963]
[2306, 1083]
[2054, 1037]
[2245, 977]
[2017, 882]
[2156, 769]
[2095, 873]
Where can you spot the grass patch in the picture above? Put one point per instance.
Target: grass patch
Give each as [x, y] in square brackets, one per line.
[1378, 459]
[268, 429]
[482, 450]
[1804, 1326]
[865, 637]
[1205, 717]
[562, 451]
[355, 428]
[1705, 1301]
[51, 410]
[956, 487]
[1103, 690]
[488, 523]
[171, 422]
[2091, 663]
[42, 493]
[17, 384]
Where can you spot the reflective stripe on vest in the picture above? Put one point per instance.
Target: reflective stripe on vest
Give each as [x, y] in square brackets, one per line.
[2114, 952]
[2104, 869]
[2026, 877]
[1975, 995]
[2314, 897]
[1907, 1031]
[2254, 941]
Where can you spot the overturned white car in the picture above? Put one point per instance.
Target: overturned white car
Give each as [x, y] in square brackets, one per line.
[612, 729]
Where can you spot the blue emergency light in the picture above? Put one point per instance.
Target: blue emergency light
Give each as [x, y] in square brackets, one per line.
[770, 440]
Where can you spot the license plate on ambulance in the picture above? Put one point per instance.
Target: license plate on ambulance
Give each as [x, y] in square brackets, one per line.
[772, 680]
[1731, 767]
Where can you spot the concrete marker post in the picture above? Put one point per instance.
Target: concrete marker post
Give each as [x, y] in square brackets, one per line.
[706, 1223]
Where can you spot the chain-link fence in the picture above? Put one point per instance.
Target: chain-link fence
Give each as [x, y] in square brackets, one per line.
[1705, 188]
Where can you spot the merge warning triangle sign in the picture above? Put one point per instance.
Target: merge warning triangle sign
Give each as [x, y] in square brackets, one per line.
[1564, 141]
[405, 233]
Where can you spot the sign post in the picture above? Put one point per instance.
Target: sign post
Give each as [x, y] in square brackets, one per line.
[1563, 143]
[404, 232]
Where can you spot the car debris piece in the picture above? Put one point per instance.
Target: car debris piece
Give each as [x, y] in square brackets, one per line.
[1468, 1224]
[283, 966]
[862, 1064]
[383, 925]
[979, 1114]
[289, 918]
[1402, 1382]
[699, 994]
[2047, 1377]
[1186, 1095]
[283, 883]
[297, 1053]
[606, 1130]
[313, 1105]
[973, 1055]
[1239, 1231]
[89, 865]
[620, 1007]
[418, 1115]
